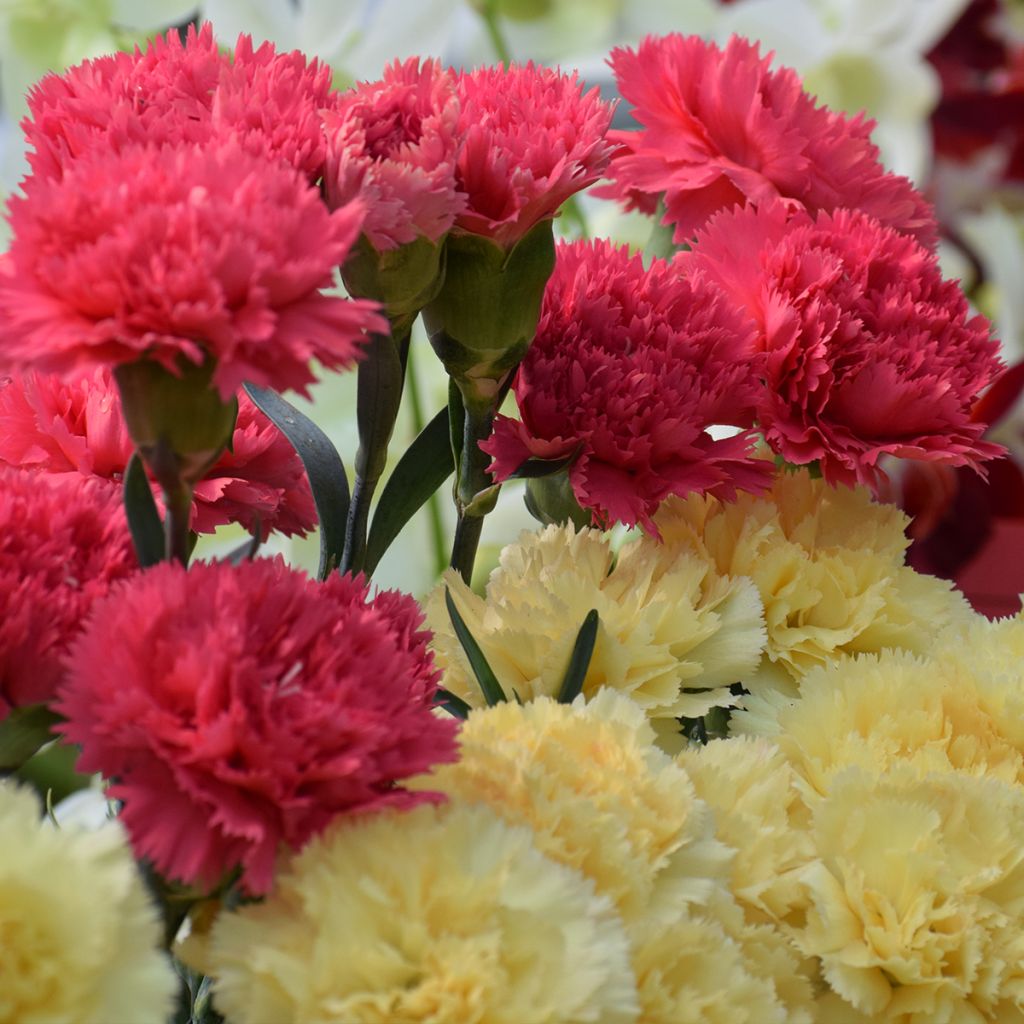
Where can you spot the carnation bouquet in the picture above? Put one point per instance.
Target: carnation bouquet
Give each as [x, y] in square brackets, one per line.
[703, 745]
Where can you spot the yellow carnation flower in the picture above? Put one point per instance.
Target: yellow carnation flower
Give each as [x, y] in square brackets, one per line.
[441, 914]
[876, 711]
[78, 937]
[917, 901]
[759, 812]
[598, 795]
[693, 972]
[668, 626]
[828, 564]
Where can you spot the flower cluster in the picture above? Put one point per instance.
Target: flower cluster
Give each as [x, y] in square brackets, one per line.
[243, 707]
[742, 764]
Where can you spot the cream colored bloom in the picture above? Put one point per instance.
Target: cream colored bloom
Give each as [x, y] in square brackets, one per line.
[441, 914]
[759, 812]
[828, 564]
[598, 795]
[693, 971]
[78, 936]
[673, 635]
[917, 900]
[935, 714]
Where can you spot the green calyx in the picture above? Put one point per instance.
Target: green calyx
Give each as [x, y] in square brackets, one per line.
[403, 280]
[485, 316]
[178, 421]
[550, 499]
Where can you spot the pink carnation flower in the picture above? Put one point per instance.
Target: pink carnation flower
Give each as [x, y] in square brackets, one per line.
[628, 370]
[170, 253]
[394, 143]
[63, 542]
[720, 128]
[531, 139]
[239, 709]
[178, 93]
[868, 351]
[58, 426]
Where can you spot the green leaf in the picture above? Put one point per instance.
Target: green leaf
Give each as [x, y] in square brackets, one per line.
[579, 660]
[143, 518]
[421, 470]
[324, 468]
[23, 732]
[453, 705]
[489, 685]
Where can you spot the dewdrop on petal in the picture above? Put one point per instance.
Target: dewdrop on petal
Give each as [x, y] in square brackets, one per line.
[666, 627]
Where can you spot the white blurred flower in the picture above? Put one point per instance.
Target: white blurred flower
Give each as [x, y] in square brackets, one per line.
[356, 37]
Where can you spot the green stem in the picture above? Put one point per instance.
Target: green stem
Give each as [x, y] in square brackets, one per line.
[434, 518]
[489, 12]
[472, 478]
[178, 542]
[464, 547]
[378, 397]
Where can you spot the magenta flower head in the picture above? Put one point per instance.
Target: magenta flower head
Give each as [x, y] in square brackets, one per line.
[63, 543]
[179, 92]
[867, 350]
[239, 709]
[179, 256]
[393, 144]
[629, 368]
[720, 128]
[531, 139]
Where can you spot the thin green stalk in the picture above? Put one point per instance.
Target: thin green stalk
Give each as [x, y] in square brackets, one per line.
[178, 541]
[434, 517]
[473, 480]
[381, 377]
[489, 13]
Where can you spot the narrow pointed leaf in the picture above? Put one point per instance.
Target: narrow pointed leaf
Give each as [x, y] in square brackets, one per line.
[323, 466]
[421, 470]
[141, 512]
[453, 705]
[579, 660]
[489, 685]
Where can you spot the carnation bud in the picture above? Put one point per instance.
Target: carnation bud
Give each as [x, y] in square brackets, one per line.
[484, 318]
[177, 415]
[403, 279]
[550, 500]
